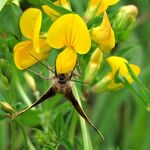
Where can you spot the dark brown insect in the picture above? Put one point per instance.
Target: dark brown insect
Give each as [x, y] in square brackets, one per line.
[61, 84]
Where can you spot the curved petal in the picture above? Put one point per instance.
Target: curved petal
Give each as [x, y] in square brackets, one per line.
[116, 63]
[23, 52]
[30, 25]
[66, 60]
[69, 30]
[50, 12]
[104, 35]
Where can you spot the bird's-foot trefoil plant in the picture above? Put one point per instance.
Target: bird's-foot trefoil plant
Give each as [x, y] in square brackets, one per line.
[60, 52]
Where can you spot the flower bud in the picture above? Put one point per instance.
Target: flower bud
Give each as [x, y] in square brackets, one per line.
[93, 65]
[125, 21]
[30, 80]
[6, 107]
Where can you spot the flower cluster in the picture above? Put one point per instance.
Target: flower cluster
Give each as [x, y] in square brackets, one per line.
[70, 35]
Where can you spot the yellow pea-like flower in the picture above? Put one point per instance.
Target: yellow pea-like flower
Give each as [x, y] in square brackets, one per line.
[116, 64]
[71, 33]
[119, 63]
[103, 35]
[30, 25]
[101, 5]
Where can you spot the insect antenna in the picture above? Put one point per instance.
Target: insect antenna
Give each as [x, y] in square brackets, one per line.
[42, 63]
[38, 74]
[81, 82]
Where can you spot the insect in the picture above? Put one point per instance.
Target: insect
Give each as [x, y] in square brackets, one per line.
[61, 84]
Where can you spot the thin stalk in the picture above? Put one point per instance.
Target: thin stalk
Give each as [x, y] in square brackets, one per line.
[13, 135]
[23, 133]
[73, 128]
[23, 94]
[86, 139]
[3, 134]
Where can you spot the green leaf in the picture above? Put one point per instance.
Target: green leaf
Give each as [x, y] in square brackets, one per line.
[144, 91]
[140, 90]
[9, 17]
[2, 3]
[30, 118]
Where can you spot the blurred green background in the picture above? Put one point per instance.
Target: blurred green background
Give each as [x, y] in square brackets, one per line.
[120, 115]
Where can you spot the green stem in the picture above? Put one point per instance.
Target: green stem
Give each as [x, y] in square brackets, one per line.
[73, 128]
[13, 135]
[23, 94]
[86, 139]
[4, 135]
[23, 133]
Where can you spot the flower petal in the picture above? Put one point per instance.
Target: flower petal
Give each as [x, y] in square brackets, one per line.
[51, 12]
[66, 60]
[69, 30]
[116, 63]
[30, 25]
[119, 63]
[23, 52]
[104, 4]
[65, 4]
[136, 69]
[124, 72]
[104, 35]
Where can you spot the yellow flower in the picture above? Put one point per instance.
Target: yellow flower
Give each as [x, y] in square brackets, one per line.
[30, 25]
[71, 33]
[101, 5]
[117, 64]
[104, 4]
[54, 14]
[104, 35]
